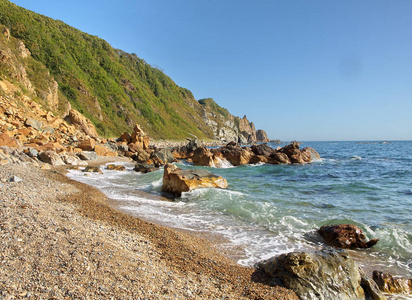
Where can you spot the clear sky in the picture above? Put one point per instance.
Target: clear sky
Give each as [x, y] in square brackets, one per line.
[300, 70]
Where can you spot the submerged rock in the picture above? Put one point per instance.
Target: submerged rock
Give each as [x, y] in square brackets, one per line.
[326, 274]
[145, 168]
[176, 181]
[92, 169]
[345, 236]
[114, 167]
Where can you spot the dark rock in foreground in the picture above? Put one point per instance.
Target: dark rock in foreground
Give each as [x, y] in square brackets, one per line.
[145, 168]
[176, 181]
[345, 236]
[326, 274]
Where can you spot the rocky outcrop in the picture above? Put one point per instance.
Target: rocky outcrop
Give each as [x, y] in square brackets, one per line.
[394, 285]
[345, 236]
[145, 168]
[227, 127]
[176, 181]
[326, 274]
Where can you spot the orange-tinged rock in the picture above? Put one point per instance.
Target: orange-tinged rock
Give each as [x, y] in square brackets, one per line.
[6, 140]
[87, 144]
[177, 181]
[103, 151]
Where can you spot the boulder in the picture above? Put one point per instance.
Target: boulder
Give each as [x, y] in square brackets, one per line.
[203, 157]
[6, 140]
[326, 274]
[125, 137]
[145, 168]
[72, 159]
[15, 179]
[87, 155]
[309, 154]
[176, 181]
[51, 157]
[141, 156]
[279, 158]
[87, 144]
[263, 149]
[162, 157]
[345, 236]
[102, 150]
[34, 124]
[235, 154]
[389, 284]
[82, 124]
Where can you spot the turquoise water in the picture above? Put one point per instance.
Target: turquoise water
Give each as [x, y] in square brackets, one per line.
[273, 209]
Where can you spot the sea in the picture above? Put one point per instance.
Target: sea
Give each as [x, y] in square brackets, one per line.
[268, 209]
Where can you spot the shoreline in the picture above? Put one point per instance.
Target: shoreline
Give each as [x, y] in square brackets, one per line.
[70, 242]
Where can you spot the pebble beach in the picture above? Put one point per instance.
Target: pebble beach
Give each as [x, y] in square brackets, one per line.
[60, 239]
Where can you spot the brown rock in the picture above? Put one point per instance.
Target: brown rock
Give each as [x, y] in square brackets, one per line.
[51, 157]
[176, 181]
[81, 123]
[279, 158]
[345, 236]
[87, 144]
[203, 157]
[104, 151]
[309, 154]
[261, 136]
[389, 284]
[115, 167]
[235, 154]
[125, 137]
[6, 140]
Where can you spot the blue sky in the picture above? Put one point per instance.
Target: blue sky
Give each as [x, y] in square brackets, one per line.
[300, 70]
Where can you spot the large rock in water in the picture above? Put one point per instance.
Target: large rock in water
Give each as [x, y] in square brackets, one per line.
[345, 236]
[326, 274]
[176, 181]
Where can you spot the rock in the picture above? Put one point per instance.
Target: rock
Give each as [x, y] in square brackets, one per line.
[15, 179]
[125, 137]
[235, 154]
[87, 155]
[176, 181]
[92, 169]
[345, 236]
[32, 152]
[123, 148]
[6, 140]
[326, 274]
[203, 157]
[102, 150]
[141, 156]
[82, 124]
[389, 284]
[34, 124]
[162, 157]
[115, 167]
[145, 168]
[279, 158]
[87, 144]
[309, 154]
[51, 157]
[263, 149]
[72, 159]
[261, 136]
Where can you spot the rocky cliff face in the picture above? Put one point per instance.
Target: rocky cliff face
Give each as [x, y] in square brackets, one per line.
[227, 127]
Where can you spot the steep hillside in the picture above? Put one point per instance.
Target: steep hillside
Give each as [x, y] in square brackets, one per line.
[61, 68]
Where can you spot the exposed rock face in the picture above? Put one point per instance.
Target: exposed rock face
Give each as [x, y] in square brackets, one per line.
[87, 144]
[103, 150]
[176, 181]
[261, 136]
[389, 284]
[326, 274]
[6, 140]
[345, 236]
[247, 129]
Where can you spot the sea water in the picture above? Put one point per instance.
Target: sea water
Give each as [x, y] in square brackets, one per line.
[272, 209]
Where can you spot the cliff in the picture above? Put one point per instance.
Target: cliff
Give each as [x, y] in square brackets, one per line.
[227, 127]
[62, 68]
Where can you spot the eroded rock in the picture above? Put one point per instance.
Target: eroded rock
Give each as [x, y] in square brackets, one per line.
[176, 181]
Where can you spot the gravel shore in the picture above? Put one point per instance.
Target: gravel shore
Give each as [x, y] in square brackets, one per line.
[60, 239]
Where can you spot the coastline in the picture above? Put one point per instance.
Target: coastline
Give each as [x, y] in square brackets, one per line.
[63, 239]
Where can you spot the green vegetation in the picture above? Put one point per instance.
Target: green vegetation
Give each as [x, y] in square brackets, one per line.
[112, 88]
[209, 102]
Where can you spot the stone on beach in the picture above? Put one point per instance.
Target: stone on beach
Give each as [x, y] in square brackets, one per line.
[325, 274]
[52, 158]
[176, 181]
[345, 236]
